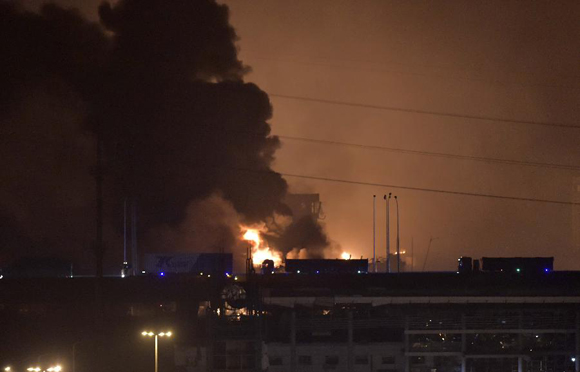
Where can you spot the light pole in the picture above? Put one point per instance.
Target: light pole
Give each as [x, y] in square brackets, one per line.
[388, 268]
[74, 354]
[374, 236]
[398, 240]
[156, 335]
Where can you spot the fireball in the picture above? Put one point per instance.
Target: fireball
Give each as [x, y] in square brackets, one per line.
[260, 253]
[345, 256]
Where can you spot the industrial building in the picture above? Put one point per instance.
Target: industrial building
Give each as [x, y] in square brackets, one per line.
[474, 321]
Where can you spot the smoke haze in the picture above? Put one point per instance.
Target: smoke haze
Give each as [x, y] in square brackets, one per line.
[495, 59]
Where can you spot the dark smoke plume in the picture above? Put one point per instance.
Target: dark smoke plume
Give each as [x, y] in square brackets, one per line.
[161, 83]
[305, 233]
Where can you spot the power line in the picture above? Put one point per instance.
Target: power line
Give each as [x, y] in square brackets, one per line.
[412, 188]
[358, 62]
[425, 112]
[428, 189]
[414, 73]
[435, 154]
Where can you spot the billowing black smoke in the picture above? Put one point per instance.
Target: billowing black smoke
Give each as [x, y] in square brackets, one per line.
[160, 82]
[304, 233]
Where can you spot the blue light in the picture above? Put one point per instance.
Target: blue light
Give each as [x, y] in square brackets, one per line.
[546, 270]
[162, 274]
[318, 272]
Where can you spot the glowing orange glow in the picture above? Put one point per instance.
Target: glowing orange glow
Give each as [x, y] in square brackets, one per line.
[260, 253]
[345, 256]
[253, 236]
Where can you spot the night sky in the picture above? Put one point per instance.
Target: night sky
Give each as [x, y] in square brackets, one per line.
[380, 66]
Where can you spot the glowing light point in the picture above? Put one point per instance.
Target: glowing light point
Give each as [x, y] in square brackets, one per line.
[162, 274]
[144, 333]
[345, 256]
[518, 270]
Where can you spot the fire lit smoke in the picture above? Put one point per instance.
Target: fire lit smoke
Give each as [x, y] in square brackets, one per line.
[260, 253]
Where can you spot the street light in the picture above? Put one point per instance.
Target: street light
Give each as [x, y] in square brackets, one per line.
[33, 369]
[156, 335]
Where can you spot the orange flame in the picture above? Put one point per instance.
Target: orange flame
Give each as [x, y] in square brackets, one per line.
[345, 256]
[259, 253]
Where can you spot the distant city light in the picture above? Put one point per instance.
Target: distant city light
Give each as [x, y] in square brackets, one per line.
[547, 270]
[573, 359]
[298, 271]
[162, 274]
[518, 270]
[7, 369]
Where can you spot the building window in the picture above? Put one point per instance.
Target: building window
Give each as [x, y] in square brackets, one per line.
[388, 360]
[361, 359]
[276, 361]
[331, 360]
[304, 360]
